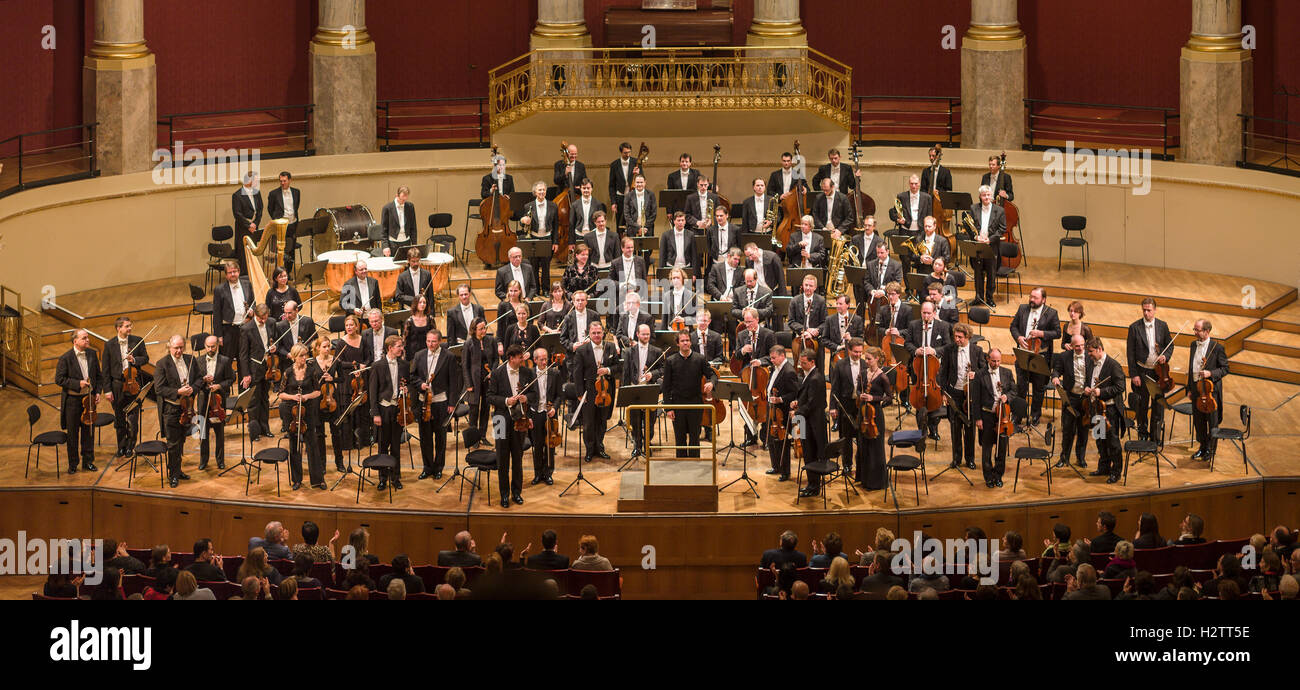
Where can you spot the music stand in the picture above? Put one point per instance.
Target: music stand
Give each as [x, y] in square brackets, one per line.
[856, 275]
[762, 240]
[794, 278]
[644, 245]
[637, 394]
[781, 307]
[535, 307]
[580, 478]
[702, 246]
[1063, 400]
[955, 201]
[311, 227]
[131, 407]
[1157, 397]
[732, 391]
[351, 408]
[396, 319]
[672, 200]
[518, 202]
[826, 237]
[664, 340]
[974, 250]
[550, 341]
[241, 407]
[916, 283]
[535, 250]
[313, 273]
[972, 438]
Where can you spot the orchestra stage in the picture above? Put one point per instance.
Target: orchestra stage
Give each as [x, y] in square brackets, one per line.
[701, 555]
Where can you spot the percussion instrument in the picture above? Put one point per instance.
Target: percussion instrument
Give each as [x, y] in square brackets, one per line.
[386, 271]
[439, 267]
[341, 267]
[349, 225]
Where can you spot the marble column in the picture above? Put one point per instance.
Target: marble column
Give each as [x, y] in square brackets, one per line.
[993, 77]
[1215, 76]
[560, 24]
[120, 88]
[776, 23]
[343, 79]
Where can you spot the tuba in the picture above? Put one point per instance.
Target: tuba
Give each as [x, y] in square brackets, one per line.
[842, 253]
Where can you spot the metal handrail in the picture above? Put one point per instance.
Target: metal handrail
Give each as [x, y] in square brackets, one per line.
[308, 109]
[952, 127]
[1167, 115]
[1285, 156]
[384, 106]
[86, 143]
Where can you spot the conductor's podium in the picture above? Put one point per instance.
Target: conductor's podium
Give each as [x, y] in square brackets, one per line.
[671, 484]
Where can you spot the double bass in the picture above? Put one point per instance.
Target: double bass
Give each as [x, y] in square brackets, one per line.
[1013, 221]
[940, 214]
[496, 239]
[563, 203]
[863, 204]
[722, 200]
[794, 203]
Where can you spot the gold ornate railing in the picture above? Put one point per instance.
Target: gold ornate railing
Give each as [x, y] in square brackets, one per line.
[630, 79]
[19, 337]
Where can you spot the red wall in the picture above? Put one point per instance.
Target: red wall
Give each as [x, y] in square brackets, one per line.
[42, 87]
[1277, 56]
[230, 54]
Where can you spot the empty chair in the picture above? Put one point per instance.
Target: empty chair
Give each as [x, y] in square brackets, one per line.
[1031, 455]
[45, 439]
[1236, 437]
[1073, 226]
[198, 308]
[1009, 250]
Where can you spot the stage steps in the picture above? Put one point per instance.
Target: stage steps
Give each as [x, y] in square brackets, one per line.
[1263, 365]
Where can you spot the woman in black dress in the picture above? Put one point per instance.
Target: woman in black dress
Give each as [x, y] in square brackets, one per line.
[281, 291]
[325, 364]
[1074, 326]
[417, 326]
[514, 298]
[348, 351]
[580, 274]
[300, 400]
[478, 359]
[519, 332]
[879, 391]
[554, 311]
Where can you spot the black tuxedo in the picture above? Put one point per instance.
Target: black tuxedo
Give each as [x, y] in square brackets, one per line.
[675, 179]
[406, 290]
[632, 366]
[638, 279]
[553, 379]
[841, 213]
[457, 329]
[845, 176]
[169, 382]
[716, 281]
[505, 275]
[580, 224]
[613, 248]
[275, 209]
[383, 397]
[507, 185]
[715, 242]
[1003, 184]
[712, 344]
[893, 274]
[565, 180]
[808, 312]
[350, 297]
[252, 364]
[619, 326]
[939, 249]
[984, 398]
[223, 381]
[812, 407]
[832, 336]
[817, 255]
[885, 317]
[986, 273]
[1110, 375]
[668, 250]
[306, 329]
[776, 183]
[753, 220]
[913, 338]
[446, 381]
[681, 382]
[683, 307]
[619, 180]
[369, 352]
[510, 449]
[223, 313]
[843, 401]
[765, 340]
[925, 207]
[570, 333]
[245, 212]
[124, 425]
[68, 377]
[761, 300]
[548, 560]
[784, 384]
[544, 229]
[584, 375]
[961, 426]
[393, 225]
[1050, 324]
[631, 211]
[694, 214]
[1074, 431]
[1216, 362]
[771, 271]
[1138, 351]
[944, 183]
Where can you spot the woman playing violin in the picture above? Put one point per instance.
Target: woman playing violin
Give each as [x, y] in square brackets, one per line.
[876, 389]
[300, 400]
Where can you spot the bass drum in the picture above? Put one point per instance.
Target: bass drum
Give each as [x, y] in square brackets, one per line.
[348, 227]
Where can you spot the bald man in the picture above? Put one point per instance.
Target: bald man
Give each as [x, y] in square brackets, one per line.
[78, 375]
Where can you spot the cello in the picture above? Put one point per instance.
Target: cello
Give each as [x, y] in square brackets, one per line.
[496, 239]
[926, 394]
[758, 378]
[794, 203]
[1013, 221]
[563, 203]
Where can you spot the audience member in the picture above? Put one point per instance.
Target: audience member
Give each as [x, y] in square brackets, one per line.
[288, 590]
[786, 553]
[1106, 540]
[396, 587]
[359, 540]
[110, 588]
[207, 564]
[936, 580]
[318, 553]
[798, 591]
[1012, 547]
[1182, 578]
[1122, 564]
[895, 593]
[358, 593]
[302, 563]
[160, 559]
[274, 540]
[187, 588]
[463, 555]
[589, 557]
[62, 585]
[1082, 586]
[1027, 589]
[548, 558]
[456, 578]
[255, 566]
[879, 578]
[402, 571]
[120, 559]
[1148, 534]
[835, 577]
[589, 593]
[827, 551]
[444, 592]
[359, 576]
[1058, 545]
[1190, 531]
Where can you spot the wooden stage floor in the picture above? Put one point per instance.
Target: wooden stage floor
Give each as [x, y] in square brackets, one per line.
[1109, 291]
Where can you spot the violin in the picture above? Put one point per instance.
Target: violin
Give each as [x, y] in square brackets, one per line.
[1205, 402]
[758, 378]
[1093, 406]
[719, 412]
[216, 412]
[603, 398]
[297, 424]
[357, 385]
[90, 409]
[187, 409]
[926, 394]
[404, 414]
[553, 436]
[1034, 344]
[131, 381]
[868, 428]
[328, 403]
[272, 363]
[427, 413]
[776, 430]
[1006, 425]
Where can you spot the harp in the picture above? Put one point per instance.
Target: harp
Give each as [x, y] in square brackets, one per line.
[257, 258]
